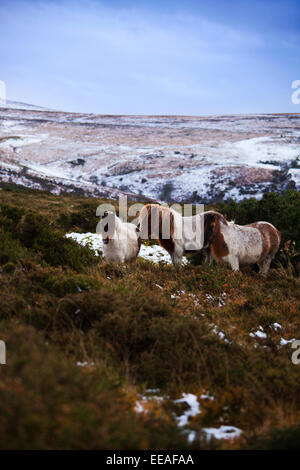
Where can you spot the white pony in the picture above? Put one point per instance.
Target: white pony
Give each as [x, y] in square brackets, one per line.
[121, 241]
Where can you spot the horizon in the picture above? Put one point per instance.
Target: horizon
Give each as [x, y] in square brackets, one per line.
[143, 114]
[117, 58]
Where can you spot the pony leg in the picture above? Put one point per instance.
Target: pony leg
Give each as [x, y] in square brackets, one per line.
[208, 257]
[234, 263]
[177, 254]
[176, 259]
[264, 265]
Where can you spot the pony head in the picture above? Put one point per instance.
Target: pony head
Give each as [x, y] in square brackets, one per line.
[212, 227]
[107, 225]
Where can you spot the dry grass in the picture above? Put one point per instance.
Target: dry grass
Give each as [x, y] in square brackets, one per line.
[64, 306]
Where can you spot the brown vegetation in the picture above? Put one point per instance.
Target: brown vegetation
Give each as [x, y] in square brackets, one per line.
[136, 327]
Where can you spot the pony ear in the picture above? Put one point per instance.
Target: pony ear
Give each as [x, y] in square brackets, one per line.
[102, 216]
[211, 227]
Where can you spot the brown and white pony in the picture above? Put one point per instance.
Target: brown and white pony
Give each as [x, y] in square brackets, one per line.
[240, 245]
[221, 240]
[121, 241]
[175, 233]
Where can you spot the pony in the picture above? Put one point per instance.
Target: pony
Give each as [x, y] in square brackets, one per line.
[240, 245]
[176, 234]
[121, 241]
[211, 233]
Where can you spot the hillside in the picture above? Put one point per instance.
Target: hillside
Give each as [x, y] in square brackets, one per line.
[10, 104]
[166, 158]
[111, 356]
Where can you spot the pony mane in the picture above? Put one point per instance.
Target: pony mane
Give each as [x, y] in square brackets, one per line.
[220, 217]
[164, 209]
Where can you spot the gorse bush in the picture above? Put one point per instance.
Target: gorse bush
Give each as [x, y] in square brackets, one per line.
[279, 439]
[36, 234]
[11, 250]
[55, 404]
[83, 219]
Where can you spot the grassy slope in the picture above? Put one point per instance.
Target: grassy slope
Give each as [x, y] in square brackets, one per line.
[60, 305]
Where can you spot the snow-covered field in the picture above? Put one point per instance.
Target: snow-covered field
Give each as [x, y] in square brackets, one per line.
[154, 253]
[180, 158]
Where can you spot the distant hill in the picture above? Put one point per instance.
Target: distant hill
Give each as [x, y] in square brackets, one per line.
[167, 158]
[19, 105]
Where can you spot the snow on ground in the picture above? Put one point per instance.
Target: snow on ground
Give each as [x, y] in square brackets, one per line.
[182, 420]
[259, 333]
[92, 240]
[20, 141]
[192, 401]
[154, 253]
[208, 170]
[221, 299]
[262, 335]
[223, 432]
[141, 403]
[161, 157]
[284, 342]
[254, 151]
[207, 396]
[194, 409]
[85, 364]
[221, 334]
[276, 326]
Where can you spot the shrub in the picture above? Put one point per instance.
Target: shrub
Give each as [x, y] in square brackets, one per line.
[54, 404]
[33, 232]
[83, 219]
[11, 250]
[190, 329]
[279, 439]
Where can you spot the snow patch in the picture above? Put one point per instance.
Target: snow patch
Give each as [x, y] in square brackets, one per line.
[259, 333]
[284, 342]
[154, 253]
[223, 432]
[192, 401]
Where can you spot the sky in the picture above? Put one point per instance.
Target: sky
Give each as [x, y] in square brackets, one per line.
[151, 57]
